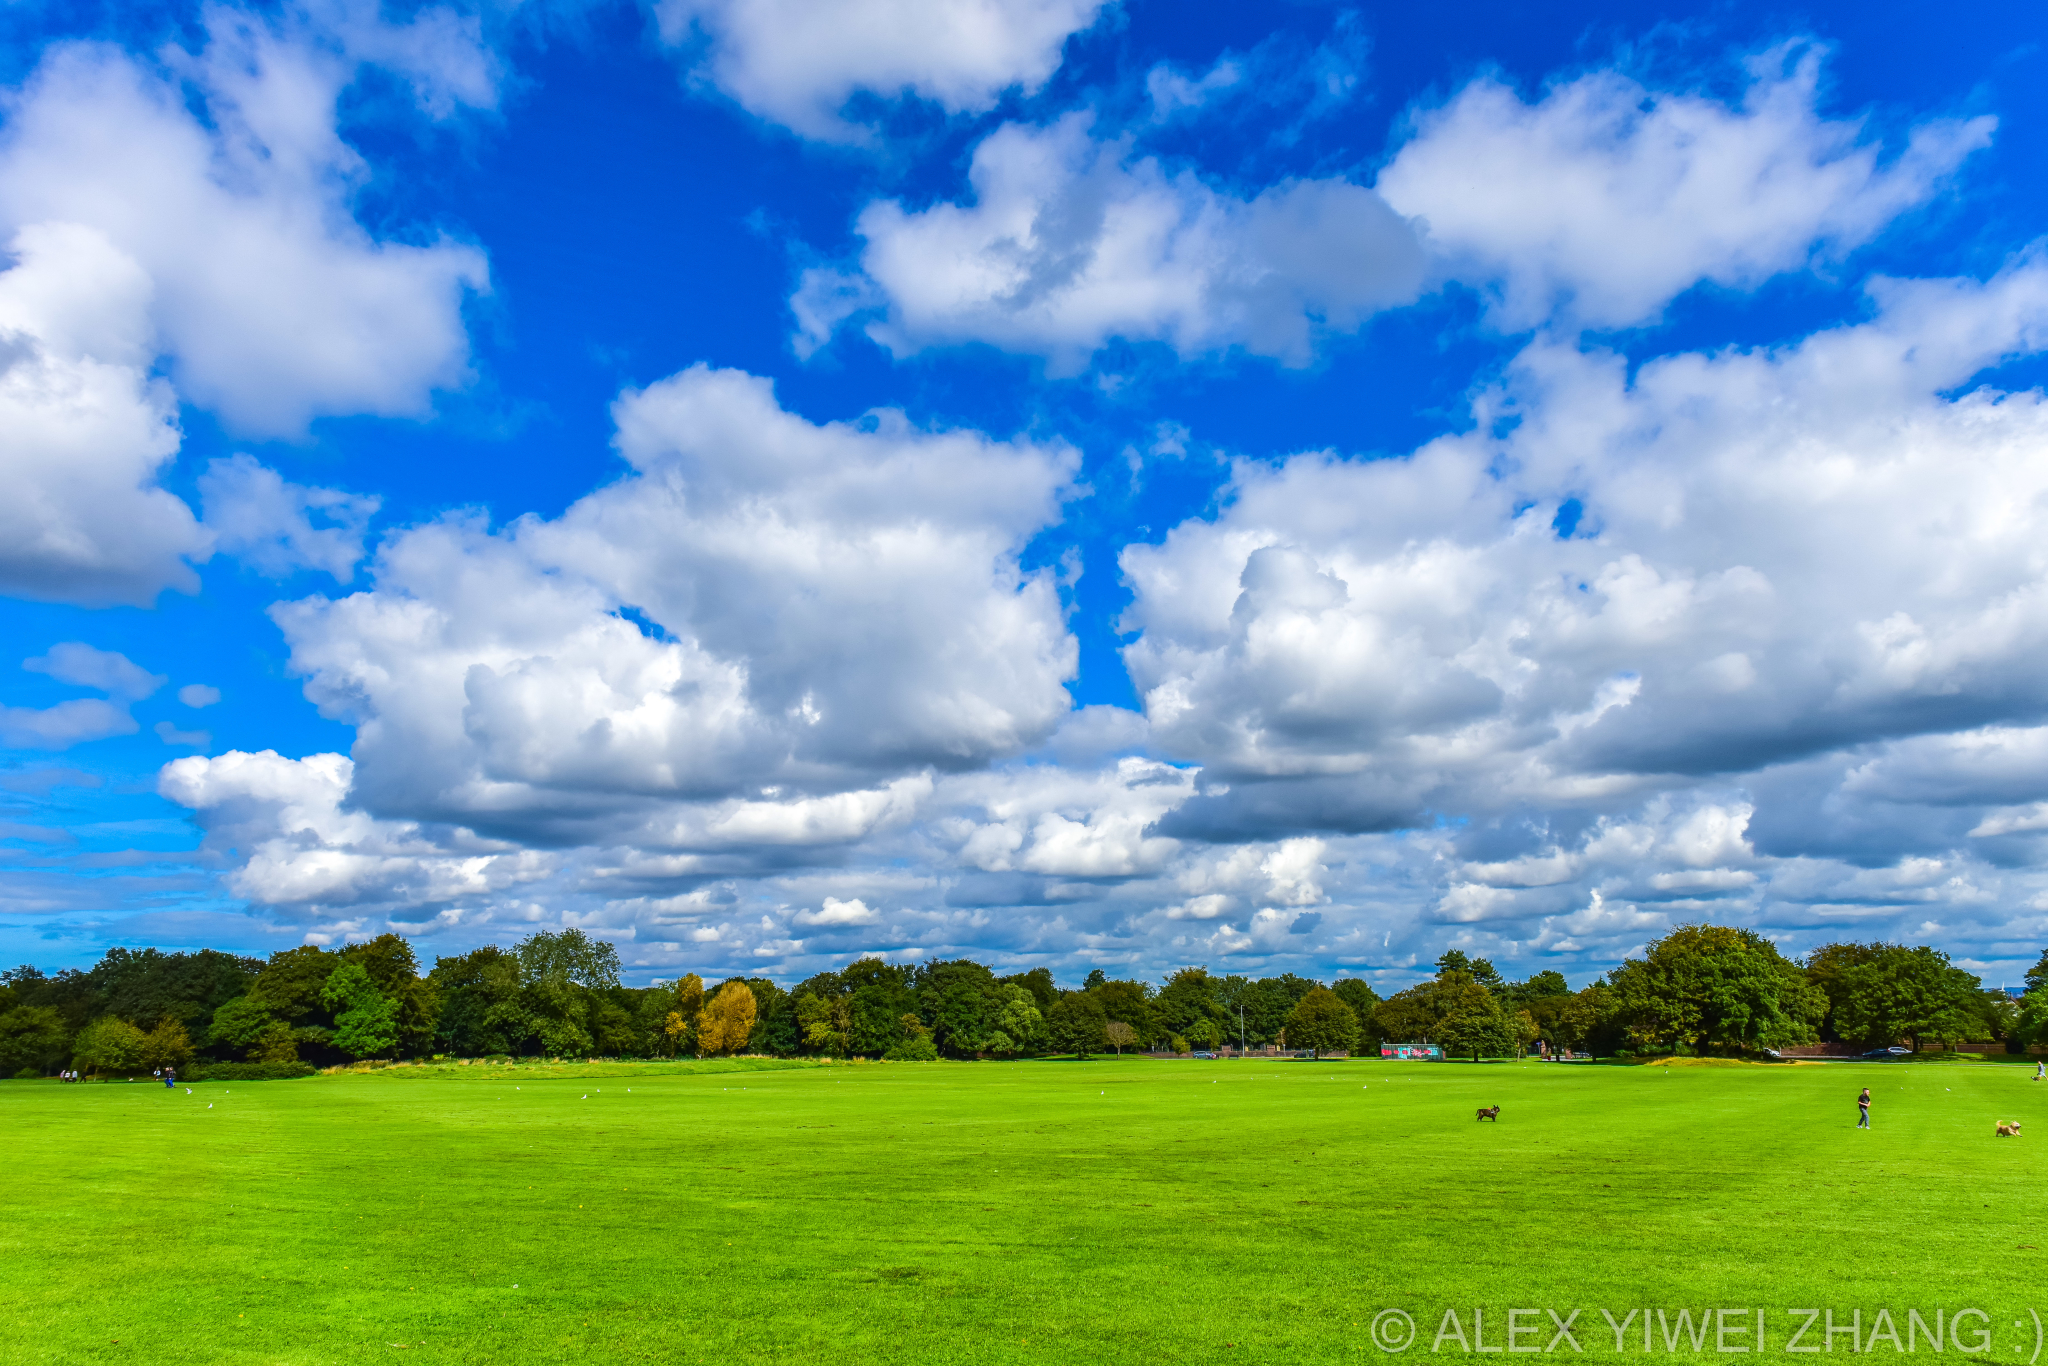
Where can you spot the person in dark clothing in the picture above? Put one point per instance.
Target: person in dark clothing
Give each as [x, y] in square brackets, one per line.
[1863, 1109]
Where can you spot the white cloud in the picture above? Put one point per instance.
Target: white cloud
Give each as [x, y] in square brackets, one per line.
[763, 636]
[799, 64]
[196, 695]
[85, 718]
[84, 430]
[839, 913]
[106, 671]
[1409, 633]
[275, 305]
[63, 725]
[1607, 199]
[171, 735]
[269, 523]
[298, 845]
[1072, 241]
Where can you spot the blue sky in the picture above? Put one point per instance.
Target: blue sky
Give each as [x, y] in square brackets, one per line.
[1283, 487]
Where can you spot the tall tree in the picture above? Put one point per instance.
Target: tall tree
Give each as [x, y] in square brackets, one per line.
[725, 1025]
[1322, 1023]
[365, 1019]
[33, 1040]
[1364, 1001]
[1914, 994]
[1077, 1025]
[1130, 1002]
[1188, 996]
[108, 1044]
[1716, 986]
[1038, 981]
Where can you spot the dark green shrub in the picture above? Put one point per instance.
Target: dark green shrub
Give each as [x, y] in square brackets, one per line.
[249, 1071]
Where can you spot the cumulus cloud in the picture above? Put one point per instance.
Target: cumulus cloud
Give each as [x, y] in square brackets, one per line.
[1778, 671]
[298, 845]
[839, 913]
[1071, 241]
[1607, 199]
[777, 624]
[275, 305]
[85, 430]
[1395, 632]
[800, 64]
[277, 527]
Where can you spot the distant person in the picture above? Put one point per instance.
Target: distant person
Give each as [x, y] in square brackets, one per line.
[1863, 1109]
[2039, 1068]
[171, 1078]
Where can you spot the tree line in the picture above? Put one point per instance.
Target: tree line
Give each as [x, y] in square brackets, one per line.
[1699, 989]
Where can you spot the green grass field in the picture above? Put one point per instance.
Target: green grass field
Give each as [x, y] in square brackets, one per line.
[1112, 1211]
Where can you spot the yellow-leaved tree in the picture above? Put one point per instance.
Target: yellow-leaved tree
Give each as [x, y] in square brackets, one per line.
[680, 1024]
[725, 1025]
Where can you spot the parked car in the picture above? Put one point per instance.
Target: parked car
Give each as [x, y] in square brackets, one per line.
[1210, 1056]
[1888, 1053]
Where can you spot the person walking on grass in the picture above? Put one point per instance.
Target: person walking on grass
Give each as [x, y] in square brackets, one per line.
[2039, 1068]
[1863, 1109]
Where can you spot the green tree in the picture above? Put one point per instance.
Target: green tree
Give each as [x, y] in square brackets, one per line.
[239, 1023]
[365, 1019]
[1828, 968]
[108, 1044]
[390, 962]
[1322, 1023]
[826, 1023]
[167, 1045]
[879, 996]
[915, 1045]
[1589, 1021]
[959, 999]
[479, 1011]
[1039, 983]
[1408, 1016]
[32, 1037]
[148, 986]
[291, 983]
[1077, 1025]
[775, 1031]
[559, 970]
[1189, 995]
[568, 955]
[1018, 1020]
[1474, 1025]
[2037, 975]
[1914, 994]
[1130, 1002]
[1364, 1002]
[1705, 987]
[277, 1042]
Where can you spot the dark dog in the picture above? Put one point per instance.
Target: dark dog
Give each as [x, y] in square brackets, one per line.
[1493, 1114]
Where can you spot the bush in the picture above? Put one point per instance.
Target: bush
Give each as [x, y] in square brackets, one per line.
[250, 1071]
[918, 1048]
[28, 1074]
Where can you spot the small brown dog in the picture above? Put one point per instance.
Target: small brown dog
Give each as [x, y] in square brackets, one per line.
[1494, 1115]
[2008, 1128]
